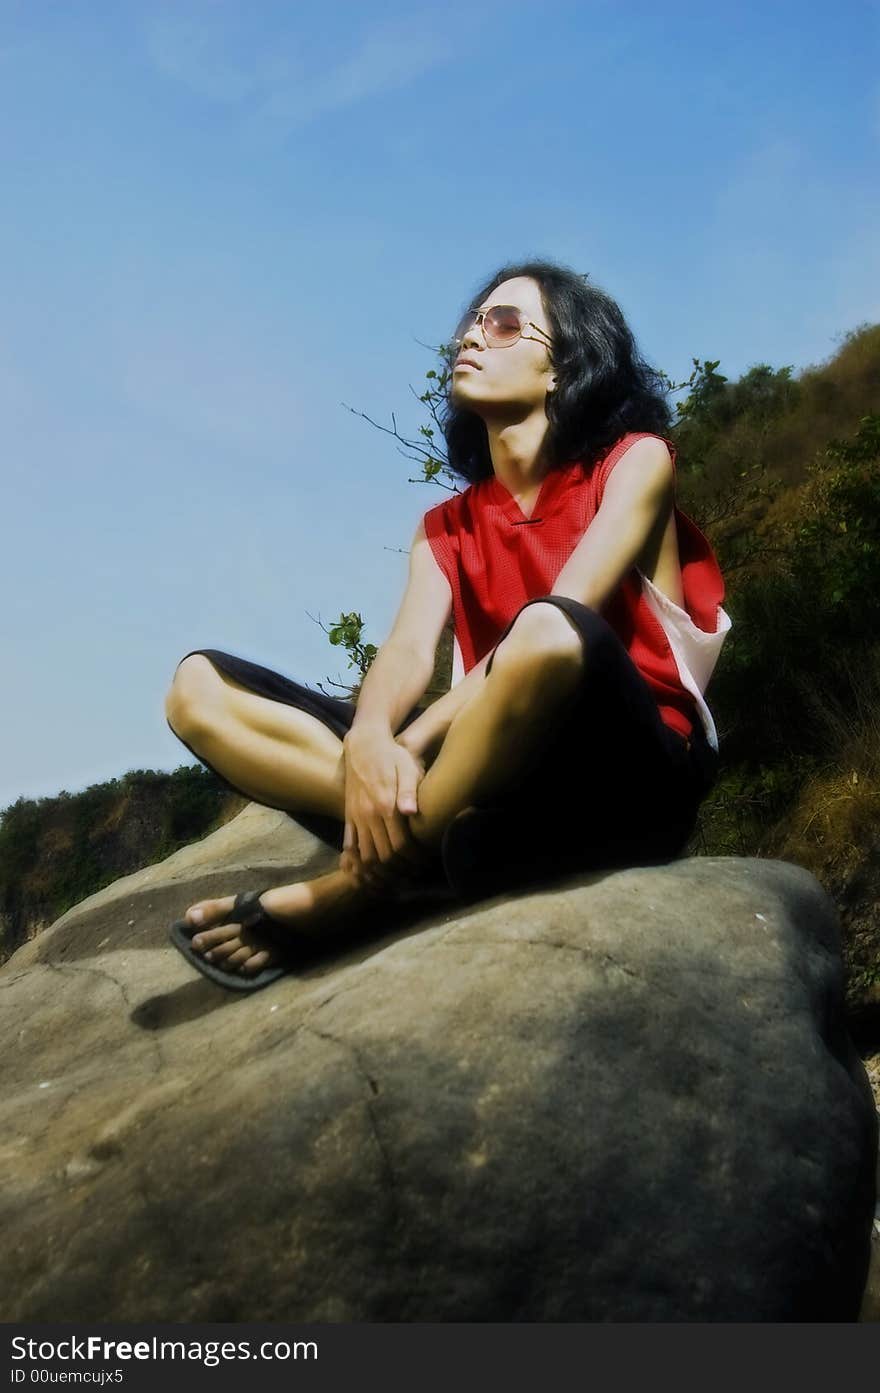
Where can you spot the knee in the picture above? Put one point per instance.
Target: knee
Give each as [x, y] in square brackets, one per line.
[192, 695]
[542, 639]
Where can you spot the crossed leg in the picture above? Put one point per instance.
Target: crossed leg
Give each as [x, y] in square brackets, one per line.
[286, 758]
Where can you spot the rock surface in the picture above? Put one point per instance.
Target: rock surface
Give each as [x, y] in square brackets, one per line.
[627, 1096]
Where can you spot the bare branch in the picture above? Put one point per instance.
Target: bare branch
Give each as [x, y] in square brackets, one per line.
[395, 433]
[318, 621]
[364, 415]
[343, 686]
[423, 455]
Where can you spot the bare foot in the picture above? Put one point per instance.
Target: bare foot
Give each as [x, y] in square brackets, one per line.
[308, 906]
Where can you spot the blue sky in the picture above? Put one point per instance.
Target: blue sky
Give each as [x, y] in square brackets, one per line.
[223, 224]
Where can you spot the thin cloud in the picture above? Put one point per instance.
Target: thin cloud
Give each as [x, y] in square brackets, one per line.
[201, 56]
[209, 57]
[384, 63]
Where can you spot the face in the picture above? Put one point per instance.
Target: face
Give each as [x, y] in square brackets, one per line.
[513, 378]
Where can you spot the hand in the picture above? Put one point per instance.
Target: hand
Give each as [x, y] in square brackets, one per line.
[423, 737]
[381, 784]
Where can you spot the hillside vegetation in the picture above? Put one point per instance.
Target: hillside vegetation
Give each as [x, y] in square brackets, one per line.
[782, 473]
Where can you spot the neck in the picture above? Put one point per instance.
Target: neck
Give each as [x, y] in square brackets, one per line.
[517, 451]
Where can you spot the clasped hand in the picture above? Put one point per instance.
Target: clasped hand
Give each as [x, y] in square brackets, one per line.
[382, 778]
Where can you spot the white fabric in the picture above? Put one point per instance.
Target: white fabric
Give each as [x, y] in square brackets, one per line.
[696, 652]
[457, 662]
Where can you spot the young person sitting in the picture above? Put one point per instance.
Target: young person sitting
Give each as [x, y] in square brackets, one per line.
[587, 613]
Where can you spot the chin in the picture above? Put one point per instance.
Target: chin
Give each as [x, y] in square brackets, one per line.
[464, 398]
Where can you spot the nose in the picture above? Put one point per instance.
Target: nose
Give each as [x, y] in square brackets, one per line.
[473, 338]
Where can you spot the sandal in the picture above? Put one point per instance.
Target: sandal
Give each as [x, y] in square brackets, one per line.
[248, 912]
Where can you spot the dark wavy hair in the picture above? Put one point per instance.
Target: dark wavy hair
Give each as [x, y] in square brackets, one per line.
[604, 387]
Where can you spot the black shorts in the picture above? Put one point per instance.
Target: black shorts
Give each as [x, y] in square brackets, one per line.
[611, 785]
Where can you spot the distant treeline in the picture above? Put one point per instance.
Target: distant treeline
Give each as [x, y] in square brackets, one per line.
[54, 852]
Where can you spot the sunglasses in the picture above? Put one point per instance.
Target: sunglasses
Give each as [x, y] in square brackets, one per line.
[502, 325]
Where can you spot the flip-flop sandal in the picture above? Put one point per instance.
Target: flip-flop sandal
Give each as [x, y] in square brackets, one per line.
[248, 912]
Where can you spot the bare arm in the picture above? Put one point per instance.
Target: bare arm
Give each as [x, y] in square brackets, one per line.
[404, 665]
[424, 736]
[398, 676]
[381, 776]
[638, 500]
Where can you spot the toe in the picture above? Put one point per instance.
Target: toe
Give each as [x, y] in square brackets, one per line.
[257, 961]
[211, 939]
[223, 950]
[207, 912]
[236, 960]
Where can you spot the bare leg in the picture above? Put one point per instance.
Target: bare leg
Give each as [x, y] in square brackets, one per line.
[283, 758]
[535, 671]
[276, 754]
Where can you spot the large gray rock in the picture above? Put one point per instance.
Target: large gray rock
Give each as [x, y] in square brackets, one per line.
[625, 1097]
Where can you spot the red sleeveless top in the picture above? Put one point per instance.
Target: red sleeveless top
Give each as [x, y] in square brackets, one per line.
[496, 559]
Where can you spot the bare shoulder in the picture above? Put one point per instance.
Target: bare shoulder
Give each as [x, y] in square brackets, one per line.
[650, 449]
[645, 467]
